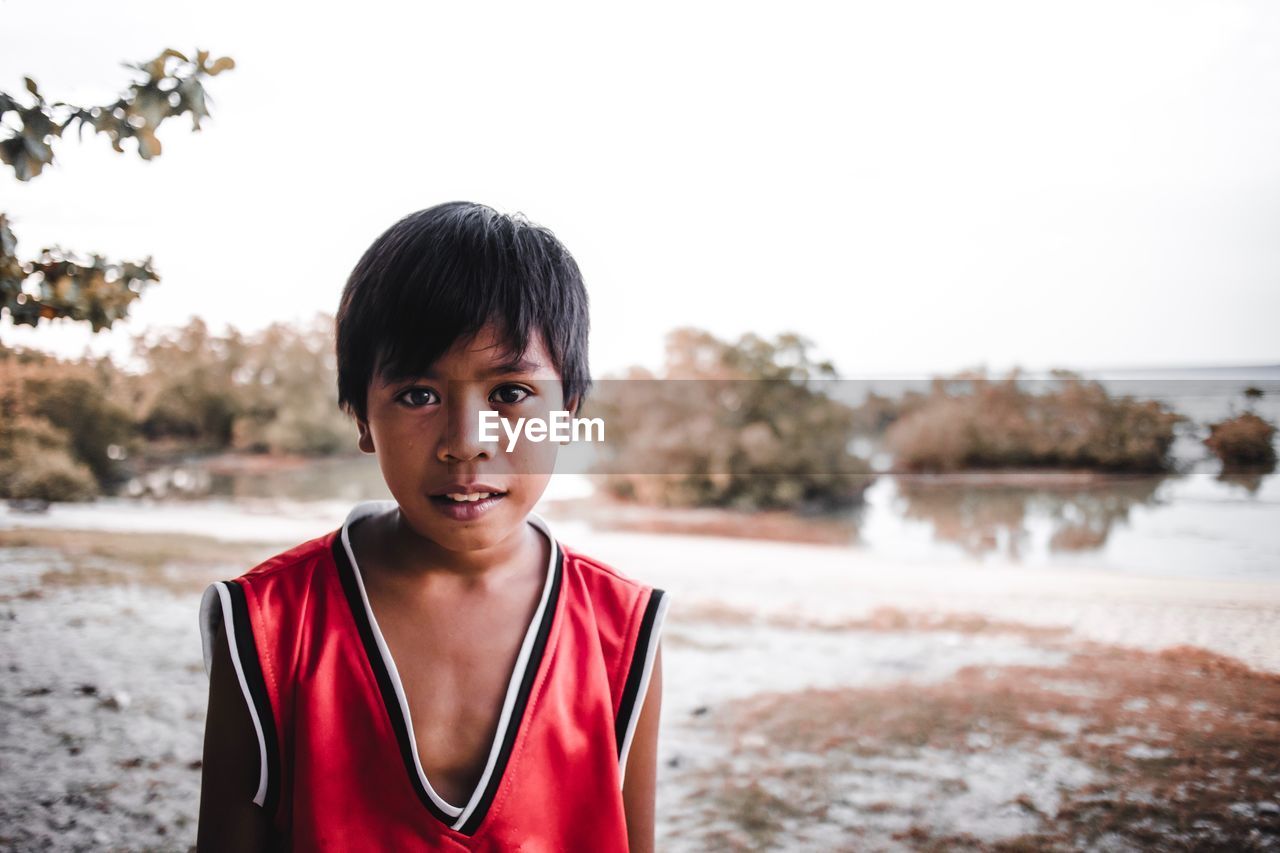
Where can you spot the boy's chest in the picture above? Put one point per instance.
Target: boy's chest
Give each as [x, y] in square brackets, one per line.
[455, 660]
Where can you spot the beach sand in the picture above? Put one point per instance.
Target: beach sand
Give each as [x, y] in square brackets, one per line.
[816, 697]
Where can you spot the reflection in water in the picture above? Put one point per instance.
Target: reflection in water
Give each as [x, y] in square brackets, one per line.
[1197, 524]
[993, 518]
[340, 478]
[1249, 481]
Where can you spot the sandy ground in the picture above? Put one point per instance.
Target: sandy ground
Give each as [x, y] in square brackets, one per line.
[800, 638]
[828, 585]
[816, 698]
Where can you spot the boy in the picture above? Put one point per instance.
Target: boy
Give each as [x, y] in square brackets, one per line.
[440, 673]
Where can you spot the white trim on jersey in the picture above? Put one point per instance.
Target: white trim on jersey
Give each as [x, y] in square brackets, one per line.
[650, 650]
[367, 508]
[210, 617]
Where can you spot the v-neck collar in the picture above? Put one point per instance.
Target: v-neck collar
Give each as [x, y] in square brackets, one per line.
[466, 818]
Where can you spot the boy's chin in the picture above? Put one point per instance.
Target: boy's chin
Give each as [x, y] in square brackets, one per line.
[462, 528]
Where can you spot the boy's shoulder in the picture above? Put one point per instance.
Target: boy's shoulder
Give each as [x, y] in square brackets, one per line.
[615, 599]
[626, 615]
[294, 563]
[598, 571]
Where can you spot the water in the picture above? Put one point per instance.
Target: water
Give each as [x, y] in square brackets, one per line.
[1198, 522]
[1195, 523]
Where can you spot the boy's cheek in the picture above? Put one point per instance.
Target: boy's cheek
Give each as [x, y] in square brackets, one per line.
[535, 458]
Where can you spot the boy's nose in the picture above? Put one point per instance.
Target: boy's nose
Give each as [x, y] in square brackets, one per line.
[461, 439]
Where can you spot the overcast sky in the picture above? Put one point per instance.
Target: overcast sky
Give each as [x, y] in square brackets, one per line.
[914, 186]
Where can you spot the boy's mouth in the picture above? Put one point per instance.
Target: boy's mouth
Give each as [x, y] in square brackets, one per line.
[463, 501]
[469, 497]
[469, 492]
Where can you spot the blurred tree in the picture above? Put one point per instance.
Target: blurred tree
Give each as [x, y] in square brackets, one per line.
[287, 385]
[187, 391]
[274, 391]
[62, 431]
[91, 289]
[747, 424]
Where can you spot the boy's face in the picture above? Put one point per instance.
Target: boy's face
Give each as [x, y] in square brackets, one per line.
[425, 432]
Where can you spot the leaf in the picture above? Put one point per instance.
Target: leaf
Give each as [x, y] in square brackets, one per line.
[8, 240]
[12, 148]
[37, 123]
[151, 105]
[193, 99]
[224, 63]
[156, 67]
[37, 148]
[148, 144]
[14, 151]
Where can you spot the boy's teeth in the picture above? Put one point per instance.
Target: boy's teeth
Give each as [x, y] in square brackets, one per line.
[473, 496]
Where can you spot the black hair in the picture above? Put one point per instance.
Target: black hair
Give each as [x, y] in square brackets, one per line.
[437, 276]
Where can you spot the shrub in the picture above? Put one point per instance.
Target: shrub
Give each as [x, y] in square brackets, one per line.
[970, 421]
[1245, 441]
[58, 425]
[51, 476]
[74, 401]
[36, 462]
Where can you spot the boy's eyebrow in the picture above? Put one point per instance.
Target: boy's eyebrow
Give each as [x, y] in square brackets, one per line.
[511, 365]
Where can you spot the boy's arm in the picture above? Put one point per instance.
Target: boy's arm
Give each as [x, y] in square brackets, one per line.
[640, 782]
[229, 819]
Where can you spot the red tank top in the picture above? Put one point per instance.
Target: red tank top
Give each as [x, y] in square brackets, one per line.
[339, 768]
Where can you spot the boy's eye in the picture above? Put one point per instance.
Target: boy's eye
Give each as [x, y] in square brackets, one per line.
[420, 402]
[509, 394]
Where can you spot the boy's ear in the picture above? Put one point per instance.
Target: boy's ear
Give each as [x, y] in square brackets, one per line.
[366, 437]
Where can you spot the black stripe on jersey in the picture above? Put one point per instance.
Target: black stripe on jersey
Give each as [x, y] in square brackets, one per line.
[356, 604]
[391, 701]
[635, 675]
[522, 698]
[251, 666]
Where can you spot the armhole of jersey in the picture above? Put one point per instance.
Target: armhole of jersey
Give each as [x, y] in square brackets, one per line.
[224, 602]
[637, 684]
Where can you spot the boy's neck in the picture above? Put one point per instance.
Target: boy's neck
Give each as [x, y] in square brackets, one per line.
[406, 553]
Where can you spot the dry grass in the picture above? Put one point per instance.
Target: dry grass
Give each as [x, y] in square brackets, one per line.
[1184, 745]
[879, 619]
[180, 563]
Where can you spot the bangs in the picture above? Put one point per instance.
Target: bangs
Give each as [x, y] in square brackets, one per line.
[427, 322]
[439, 276]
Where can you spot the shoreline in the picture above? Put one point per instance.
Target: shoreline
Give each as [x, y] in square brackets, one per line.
[817, 585]
[821, 585]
